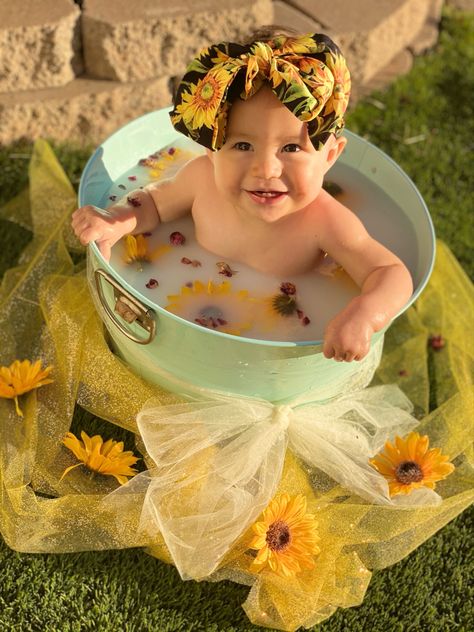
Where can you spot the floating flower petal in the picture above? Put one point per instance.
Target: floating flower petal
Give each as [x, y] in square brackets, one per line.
[177, 238]
[136, 250]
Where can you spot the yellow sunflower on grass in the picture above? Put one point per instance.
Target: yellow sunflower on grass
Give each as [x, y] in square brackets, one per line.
[21, 377]
[285, 537]
[107, 458]
[409, 465]
[215, 306]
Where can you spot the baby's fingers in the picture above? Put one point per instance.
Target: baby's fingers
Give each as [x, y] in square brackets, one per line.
[90, 233]
[328, 350]
[345, 351]
[105, 248]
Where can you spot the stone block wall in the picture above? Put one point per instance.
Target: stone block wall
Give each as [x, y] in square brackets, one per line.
[79, 70]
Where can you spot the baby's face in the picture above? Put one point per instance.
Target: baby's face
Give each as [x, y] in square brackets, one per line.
[268, 168]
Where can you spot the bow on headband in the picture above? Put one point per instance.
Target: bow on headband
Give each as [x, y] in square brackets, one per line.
[308, 74]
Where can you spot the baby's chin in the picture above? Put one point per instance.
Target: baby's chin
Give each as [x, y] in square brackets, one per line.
[268, 214]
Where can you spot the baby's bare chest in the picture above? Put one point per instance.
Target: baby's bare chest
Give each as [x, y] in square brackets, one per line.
[282, 248]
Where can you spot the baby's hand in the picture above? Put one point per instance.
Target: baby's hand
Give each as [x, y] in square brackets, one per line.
[104, 226]
[347, 336]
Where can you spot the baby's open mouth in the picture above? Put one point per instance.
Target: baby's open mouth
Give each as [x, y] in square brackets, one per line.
[268, 194]
[266, 197]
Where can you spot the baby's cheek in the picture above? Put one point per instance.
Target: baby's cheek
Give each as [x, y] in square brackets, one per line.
[308, 190]
[309, 178]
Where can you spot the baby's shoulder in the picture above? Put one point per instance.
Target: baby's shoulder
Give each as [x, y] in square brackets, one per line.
[334, 220]
[198, 168]
[325, 208]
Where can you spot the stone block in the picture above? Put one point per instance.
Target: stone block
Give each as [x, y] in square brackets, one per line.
[39, 44]
[126, 41]
[288, 17]
[369, 32]
[427, 37]
[461, 5]
[400, 65]
[84, 110]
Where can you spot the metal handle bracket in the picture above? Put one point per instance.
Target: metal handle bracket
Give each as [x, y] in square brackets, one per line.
[126, 306]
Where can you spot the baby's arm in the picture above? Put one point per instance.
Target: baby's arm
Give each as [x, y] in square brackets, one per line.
[139, 211]
[385, 283]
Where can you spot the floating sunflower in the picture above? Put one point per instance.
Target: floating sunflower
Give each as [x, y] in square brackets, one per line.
[283, 304]
[136, 250]
[215, 306]
[21, 377]
[409, 464]
[107, 458]
[286, 537]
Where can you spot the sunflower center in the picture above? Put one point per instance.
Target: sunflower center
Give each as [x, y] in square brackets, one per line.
[211, 311]
[207, 91]
[408, 472]
[278, 535]
[211, 317]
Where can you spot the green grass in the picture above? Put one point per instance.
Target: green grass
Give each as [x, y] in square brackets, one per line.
[433, 101]
[429, 591]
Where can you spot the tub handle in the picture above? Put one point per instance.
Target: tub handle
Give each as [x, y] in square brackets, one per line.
[128, 307]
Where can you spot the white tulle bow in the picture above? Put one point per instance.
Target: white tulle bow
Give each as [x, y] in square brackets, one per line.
[219, 462]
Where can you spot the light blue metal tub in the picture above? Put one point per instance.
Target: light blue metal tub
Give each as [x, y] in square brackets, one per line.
[182, 355]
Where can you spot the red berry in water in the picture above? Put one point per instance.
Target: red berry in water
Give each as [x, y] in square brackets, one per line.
[186, 260]
[288, 288]
[152, 284]
[177, 238]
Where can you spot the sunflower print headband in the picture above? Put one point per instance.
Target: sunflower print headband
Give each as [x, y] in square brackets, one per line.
[308, 74]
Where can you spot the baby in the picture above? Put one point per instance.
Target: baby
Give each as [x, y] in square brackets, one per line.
[270, 114]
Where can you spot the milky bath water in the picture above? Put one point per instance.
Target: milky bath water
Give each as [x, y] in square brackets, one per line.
[226, 295]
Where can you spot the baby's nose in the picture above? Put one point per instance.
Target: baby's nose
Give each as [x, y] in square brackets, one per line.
[266, 166]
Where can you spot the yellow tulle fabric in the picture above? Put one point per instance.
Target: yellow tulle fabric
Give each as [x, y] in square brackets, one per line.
[46, 312]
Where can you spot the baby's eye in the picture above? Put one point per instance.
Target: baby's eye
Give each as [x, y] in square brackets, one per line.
[242, 146]
[291, 147]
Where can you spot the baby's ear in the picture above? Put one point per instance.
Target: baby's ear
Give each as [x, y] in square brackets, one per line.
[336, 147]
